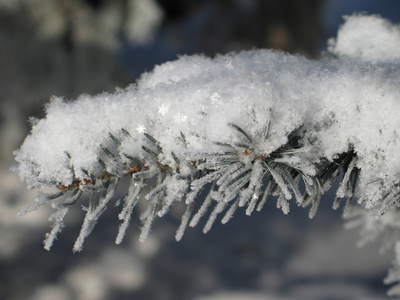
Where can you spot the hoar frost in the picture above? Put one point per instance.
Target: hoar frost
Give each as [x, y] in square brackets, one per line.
[240, 127]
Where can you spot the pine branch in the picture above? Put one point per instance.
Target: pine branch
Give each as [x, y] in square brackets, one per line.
[239, 177]
[227, 134]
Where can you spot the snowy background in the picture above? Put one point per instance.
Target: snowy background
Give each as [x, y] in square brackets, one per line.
[67, 48]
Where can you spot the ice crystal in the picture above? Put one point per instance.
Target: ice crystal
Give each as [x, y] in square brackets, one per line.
[224, 133]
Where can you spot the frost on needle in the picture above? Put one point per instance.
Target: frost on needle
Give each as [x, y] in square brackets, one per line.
[229, 132]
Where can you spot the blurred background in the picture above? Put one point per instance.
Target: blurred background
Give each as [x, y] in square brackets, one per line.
[69, 47]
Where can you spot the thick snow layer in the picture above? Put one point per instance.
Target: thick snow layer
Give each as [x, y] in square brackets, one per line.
[194, 106]
[234, 121]
[369, 38]
[344, 104]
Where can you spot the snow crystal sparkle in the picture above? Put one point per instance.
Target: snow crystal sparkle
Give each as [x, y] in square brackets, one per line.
[239, 127]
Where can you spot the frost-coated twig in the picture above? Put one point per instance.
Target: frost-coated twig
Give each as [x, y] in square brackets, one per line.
[93, 212]
[220, 134]
[130, 201]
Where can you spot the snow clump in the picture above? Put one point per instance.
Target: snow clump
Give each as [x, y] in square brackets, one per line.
[233, 121]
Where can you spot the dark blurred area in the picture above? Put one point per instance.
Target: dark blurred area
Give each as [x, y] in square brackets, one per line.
[69, 47]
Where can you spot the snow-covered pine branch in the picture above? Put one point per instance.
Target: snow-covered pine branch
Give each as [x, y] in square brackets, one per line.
[236, 129]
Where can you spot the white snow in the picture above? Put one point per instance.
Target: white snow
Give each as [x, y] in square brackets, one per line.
[369, 38]
[191, 107]
[352, 103]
